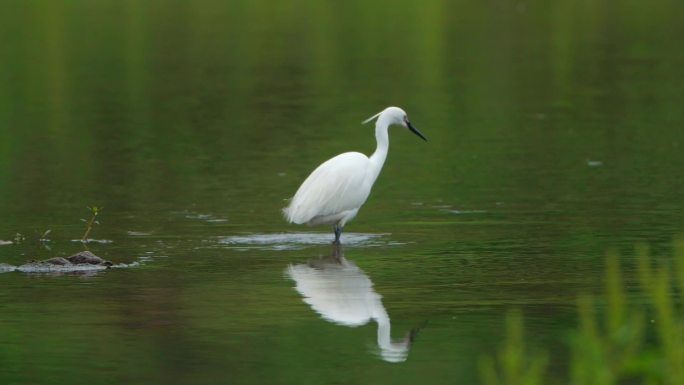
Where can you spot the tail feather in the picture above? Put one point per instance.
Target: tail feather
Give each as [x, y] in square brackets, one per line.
[291, 216]
[286, 214]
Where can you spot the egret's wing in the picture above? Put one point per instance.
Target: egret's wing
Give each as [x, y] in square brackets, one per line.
[337, 185]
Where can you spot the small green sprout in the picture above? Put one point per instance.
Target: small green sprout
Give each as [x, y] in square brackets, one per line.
[94, 212]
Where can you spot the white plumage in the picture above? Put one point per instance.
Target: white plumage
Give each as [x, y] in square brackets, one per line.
[336, 190]
[342, 293]
[333, 192]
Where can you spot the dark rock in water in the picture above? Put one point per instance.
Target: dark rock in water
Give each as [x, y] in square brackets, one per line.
[57, 261]
[86, 257]
[84, 262]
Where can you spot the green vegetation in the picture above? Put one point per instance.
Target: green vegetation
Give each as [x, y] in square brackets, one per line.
[515, 365]
[635, 343]
[34, 247]
[94, 212]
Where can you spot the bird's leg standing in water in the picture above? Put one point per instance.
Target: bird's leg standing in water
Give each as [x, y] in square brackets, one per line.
[337, 251]
[338, 232]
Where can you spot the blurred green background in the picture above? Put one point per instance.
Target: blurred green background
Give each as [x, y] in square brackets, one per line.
[555, 133]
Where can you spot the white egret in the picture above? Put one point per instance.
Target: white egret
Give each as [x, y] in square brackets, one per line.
[335, 190]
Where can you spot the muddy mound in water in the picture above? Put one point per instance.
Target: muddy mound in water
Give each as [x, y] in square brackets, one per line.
[84, 261]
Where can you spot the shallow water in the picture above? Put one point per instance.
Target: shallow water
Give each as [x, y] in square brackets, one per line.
[555, 136]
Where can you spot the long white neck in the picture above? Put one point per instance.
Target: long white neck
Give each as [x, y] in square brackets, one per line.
[390, 351]
[380, 154]
[384, 330]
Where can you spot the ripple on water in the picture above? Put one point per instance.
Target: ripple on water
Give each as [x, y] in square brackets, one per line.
[203, 217]
[91, 240]
[298, 241]
[5, 268]
[462, 212]
[138, 233]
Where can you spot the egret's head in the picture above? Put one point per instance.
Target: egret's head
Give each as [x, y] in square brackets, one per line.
[395, 115]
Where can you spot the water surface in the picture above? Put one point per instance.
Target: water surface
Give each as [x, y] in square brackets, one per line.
[555, 135]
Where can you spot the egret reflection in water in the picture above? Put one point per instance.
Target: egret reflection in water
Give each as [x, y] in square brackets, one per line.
[340, 292]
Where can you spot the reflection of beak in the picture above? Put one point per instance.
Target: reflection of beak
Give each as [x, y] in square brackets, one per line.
[415, 130]
[411, 335]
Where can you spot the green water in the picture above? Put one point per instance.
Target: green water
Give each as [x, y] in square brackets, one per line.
[555, 134]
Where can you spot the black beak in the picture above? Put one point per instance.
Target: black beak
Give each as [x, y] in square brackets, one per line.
[415, 130]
